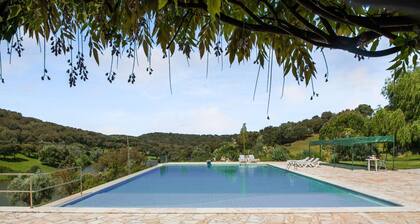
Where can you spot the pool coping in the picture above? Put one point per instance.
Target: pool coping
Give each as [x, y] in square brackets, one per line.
[52, 207]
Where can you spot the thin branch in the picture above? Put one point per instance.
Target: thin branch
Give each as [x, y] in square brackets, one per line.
[248, 11]
[380, 53]
[178, 29]
[306, 23]
[327, 25]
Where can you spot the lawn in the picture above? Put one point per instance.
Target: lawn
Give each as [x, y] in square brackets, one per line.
[23, 164]
[401, 162]
[298, 147]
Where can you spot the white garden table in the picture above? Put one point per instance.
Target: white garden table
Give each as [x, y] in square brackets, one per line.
[376, 163]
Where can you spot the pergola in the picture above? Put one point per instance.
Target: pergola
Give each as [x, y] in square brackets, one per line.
[351, 141]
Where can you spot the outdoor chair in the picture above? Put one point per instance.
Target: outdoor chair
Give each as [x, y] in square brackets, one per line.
[382, 164]
[314, 163]
[290, 163]
[242, 159]
[304, 163]
[252, 159]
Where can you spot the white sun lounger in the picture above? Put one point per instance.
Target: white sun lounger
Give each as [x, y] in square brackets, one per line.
[304, 163]
[242, 159]
[252, 159]
[290, 163]
[314, 163]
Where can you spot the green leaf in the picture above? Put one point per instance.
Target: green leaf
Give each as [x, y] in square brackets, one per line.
[374, 45]
[162, 4]
[14, 11]
[213, 7]
[95, 55]
[395, 65]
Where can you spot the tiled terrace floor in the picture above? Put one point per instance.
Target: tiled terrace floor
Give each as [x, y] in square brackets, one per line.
[399, 186]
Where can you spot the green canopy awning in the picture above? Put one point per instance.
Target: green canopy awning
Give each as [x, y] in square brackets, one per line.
[354, 140]
[351, 141]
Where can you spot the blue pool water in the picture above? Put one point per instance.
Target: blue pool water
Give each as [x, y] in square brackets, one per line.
[243, 186]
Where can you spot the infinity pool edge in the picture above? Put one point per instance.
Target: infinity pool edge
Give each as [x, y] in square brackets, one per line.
[76, 197]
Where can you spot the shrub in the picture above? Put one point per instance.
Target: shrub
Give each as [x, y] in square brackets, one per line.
[4, 169]
[53, 155]
[280, 153]
[114, 163]
[34, 169]
[228, 150]
[39, 181]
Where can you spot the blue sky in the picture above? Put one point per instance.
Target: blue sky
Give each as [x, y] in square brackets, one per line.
[216, 105]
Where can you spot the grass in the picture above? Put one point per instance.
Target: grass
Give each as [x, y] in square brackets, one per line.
[22, 164]
[401, 162]
[298, 147]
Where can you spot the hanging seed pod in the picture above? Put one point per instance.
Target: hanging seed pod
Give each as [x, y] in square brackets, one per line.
[18, 46]
[45, 74]
[1, 67]
[132, 76]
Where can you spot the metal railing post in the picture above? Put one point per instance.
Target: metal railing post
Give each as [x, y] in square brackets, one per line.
[30, 192]
[81, 181]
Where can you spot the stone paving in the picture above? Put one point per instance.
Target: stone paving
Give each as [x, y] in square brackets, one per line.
[295, 218]
[399, 186]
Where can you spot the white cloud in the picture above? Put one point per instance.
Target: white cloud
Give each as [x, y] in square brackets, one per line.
[204, 120]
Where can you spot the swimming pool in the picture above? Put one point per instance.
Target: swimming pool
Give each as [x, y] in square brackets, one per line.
[224, 186]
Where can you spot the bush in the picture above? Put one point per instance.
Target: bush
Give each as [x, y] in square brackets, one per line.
[228, 150]
[53, 155]
[29, 150]
[200, 154]
[34, 169]
[39, 181]
[4, 169]
[280, 153]
[114, 163]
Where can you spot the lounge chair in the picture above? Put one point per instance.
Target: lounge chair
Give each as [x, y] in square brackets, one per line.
[242, 159]
[306, 163]
[290, 163]
[314, 163]
[252, 159]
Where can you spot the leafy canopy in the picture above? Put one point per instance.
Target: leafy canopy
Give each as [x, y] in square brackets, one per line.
[285, 32]
[404, 93]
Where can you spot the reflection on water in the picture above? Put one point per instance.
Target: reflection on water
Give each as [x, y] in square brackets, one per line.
[163, 170]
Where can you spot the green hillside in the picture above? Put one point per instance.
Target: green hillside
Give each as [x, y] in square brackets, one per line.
[22, 164]
[299, 146]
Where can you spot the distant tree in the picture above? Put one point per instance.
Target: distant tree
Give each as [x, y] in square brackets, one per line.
[29, 150]
[54, 155]
[404, 94]
[327, 115]
[271, 135]
[388, 122]
[200, 153]
[114, 162]
[9, 150]
[364, 109]
[345, 124]
[243, 136]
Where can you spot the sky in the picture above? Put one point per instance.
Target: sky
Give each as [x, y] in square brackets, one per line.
[218, 104]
